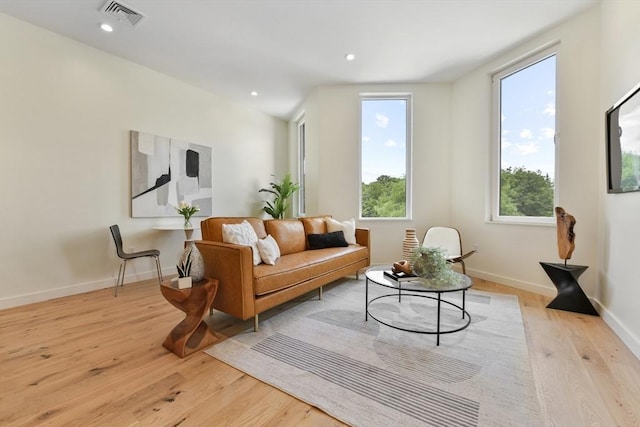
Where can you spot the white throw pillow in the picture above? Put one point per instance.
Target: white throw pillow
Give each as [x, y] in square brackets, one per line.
[242, 234]
[347, 227]
[269, 250]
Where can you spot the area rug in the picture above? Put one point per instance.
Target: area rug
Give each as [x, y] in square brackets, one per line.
[363, 373]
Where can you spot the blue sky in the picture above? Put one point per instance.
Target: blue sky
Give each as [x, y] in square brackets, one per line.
[527, 127]
[528, 118]
[384, 138]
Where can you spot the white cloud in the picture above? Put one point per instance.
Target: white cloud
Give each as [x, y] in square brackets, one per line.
[391, 143]
[505, 131]
[526, 149]
[504, 144]
[502, 117]
[547, 133]
[382, 120]
[526, 133]
[549, 110]
[366, 139]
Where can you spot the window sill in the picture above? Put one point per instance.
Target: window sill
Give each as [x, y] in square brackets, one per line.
[534, 221]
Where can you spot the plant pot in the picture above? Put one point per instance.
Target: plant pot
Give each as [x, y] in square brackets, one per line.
[184, 282]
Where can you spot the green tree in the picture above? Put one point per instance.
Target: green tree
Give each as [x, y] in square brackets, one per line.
[525, 193]
[384, 198]
[630, 163]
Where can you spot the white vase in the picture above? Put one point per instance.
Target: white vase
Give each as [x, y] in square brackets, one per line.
[197, 263]
[409, 243]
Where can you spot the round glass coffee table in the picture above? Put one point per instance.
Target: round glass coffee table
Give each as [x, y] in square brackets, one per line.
[418, 288]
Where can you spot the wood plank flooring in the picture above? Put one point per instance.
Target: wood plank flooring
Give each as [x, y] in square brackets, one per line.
[96, 360]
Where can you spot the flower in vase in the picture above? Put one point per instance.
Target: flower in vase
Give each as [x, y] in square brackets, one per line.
[187, 211]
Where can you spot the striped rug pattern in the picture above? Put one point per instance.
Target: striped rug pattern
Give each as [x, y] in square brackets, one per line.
[421, 401]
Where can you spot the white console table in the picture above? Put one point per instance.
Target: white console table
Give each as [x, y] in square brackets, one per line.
[188, 232]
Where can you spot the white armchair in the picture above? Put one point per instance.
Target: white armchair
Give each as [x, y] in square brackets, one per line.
[448, 239]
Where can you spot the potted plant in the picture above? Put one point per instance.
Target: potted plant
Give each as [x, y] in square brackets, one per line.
[184, 269]
[431, 263]
[283, 189]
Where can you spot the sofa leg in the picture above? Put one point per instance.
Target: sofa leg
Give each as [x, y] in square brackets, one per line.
[320, 293]
[255, 323]
[357, 274]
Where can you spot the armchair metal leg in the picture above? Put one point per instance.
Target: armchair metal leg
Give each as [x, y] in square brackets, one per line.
[255, 323]
[320, 293]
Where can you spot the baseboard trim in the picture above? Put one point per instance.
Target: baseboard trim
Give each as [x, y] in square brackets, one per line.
[518, 284]
[65, 291]
[627, 337]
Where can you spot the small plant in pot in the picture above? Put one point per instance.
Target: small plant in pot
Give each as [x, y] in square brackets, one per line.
[283, 189]
[184, 269]
[431, 263]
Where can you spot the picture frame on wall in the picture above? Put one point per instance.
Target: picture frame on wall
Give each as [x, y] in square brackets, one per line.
[166, 171]
[623, 143]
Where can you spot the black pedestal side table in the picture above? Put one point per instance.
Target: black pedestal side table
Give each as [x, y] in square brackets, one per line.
[570, 296]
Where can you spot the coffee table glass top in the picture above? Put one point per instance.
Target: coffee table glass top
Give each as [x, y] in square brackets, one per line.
[419, 284]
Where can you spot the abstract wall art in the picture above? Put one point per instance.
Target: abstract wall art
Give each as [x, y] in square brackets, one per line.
[165, 171]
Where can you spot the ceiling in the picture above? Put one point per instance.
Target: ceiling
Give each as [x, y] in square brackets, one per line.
[283, 49]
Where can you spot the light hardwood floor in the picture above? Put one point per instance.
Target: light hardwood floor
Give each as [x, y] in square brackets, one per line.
[93, 359]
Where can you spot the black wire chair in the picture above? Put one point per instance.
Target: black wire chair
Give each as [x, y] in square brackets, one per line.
[117, 238]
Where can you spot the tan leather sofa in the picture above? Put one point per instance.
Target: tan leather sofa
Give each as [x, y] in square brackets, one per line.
[246, 290]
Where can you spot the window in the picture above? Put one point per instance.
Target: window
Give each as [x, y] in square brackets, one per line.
[301, 166]
[525, 121]
[385, 154]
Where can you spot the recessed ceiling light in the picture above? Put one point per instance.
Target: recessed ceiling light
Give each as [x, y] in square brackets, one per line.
[254, 93]
[106, 27]
[349, 57]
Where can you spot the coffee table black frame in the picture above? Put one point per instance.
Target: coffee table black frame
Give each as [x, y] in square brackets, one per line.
[417, 289]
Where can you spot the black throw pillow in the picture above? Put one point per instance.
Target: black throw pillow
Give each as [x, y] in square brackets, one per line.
[327, 240]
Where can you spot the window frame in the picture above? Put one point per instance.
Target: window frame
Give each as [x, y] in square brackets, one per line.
[496, 76]
[301, 137]
[408, 98]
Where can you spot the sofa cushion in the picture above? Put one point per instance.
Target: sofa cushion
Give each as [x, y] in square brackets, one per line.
[212, 227]
[348, 227]
[289, 234]
[314, 224]
[242, 234]
[296, 268]
[327, 240]
[269, 250]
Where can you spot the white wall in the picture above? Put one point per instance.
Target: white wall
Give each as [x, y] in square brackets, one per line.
[619, 238]
[510, 254]
[66, 110]
[333, 144]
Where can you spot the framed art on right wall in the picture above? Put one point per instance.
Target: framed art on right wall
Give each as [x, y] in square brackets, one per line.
[623, 143]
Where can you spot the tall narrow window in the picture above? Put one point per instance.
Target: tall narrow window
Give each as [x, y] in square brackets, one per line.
[301, 167]
[385, 156]
[525, 119]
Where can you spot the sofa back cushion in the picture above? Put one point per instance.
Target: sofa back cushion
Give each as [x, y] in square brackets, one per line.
[289, 234]
[212, 227]
[314, 225]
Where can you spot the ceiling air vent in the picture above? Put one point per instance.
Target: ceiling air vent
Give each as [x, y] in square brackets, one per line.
[121, 12]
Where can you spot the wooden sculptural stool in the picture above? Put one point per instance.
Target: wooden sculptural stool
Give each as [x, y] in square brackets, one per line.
[192, 334]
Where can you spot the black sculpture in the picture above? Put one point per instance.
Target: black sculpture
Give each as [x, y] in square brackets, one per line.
[565, 277]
